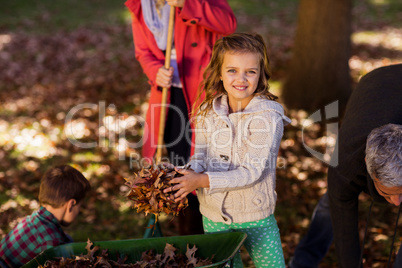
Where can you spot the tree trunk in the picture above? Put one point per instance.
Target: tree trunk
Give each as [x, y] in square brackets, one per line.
[319, 69]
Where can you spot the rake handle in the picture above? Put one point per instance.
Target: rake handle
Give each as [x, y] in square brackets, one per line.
[162, 120]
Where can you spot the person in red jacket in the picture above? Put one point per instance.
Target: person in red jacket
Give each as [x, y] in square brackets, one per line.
[198, 24]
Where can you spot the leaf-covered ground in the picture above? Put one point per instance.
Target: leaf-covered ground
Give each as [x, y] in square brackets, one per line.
[69, 74]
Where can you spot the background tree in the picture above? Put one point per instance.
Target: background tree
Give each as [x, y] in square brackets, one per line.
[319, 70]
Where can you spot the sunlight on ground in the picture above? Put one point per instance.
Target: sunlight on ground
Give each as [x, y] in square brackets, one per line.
[389, 39]
[4, 40]
[28, 139]
[275, 87]
[126, 15]
[77, 129]
[380, 2]
[24, 139]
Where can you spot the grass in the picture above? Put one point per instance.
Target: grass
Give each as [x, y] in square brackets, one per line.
[262, 7]
[390, 10]
[47, 16]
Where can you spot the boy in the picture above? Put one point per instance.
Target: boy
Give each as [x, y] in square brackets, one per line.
[61, 191]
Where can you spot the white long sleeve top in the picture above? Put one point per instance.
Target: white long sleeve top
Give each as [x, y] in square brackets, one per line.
[238, 152]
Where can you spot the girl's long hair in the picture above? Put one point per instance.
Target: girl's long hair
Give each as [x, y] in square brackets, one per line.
[212, 85]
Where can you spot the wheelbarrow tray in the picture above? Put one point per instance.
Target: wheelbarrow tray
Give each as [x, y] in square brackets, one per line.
[222, 245]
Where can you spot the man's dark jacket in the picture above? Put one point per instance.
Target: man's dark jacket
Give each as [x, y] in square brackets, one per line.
[376, 101]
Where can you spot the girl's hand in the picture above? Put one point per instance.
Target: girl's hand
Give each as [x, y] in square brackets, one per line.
[164, 77]
[187, 183]
[176, 3]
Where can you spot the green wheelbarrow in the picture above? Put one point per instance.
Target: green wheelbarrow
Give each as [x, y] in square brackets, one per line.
[223, 246]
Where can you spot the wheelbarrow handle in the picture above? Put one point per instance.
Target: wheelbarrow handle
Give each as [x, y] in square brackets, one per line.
[162, 120]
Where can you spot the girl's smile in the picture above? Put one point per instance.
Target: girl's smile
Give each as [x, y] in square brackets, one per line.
[240, 88]
[240, 74]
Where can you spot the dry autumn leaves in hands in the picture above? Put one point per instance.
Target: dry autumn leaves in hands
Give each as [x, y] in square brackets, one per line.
[146, 190]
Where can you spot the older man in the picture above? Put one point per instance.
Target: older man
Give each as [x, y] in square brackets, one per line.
[376, 102]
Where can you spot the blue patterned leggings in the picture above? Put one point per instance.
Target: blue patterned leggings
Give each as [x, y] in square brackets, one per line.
[263, 241]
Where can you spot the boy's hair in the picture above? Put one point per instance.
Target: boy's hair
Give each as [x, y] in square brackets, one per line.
[384, 154]
[235, 43]
[62, 183]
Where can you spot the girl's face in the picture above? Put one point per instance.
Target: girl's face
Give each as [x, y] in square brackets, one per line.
[240, 74]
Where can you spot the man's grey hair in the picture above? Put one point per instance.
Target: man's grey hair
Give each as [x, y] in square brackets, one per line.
[384, 154]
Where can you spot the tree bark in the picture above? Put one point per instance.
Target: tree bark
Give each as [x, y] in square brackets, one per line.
[319, 69]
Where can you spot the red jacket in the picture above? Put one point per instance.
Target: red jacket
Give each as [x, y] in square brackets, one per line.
[197, 26]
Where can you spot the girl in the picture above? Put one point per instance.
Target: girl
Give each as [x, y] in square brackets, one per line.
[239, 128]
